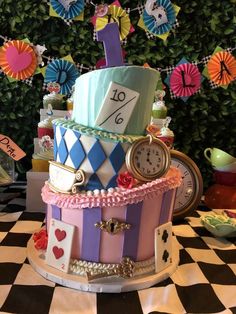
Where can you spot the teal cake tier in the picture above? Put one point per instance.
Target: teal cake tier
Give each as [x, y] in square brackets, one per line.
[91, 89]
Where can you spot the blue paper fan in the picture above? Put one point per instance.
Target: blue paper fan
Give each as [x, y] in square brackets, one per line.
[63, 72]
[150, 21]
[74, 9]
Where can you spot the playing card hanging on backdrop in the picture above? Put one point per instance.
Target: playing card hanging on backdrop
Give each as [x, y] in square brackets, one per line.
[158, 17]
[222, 68]
[184, 81]
[18, 59]
[62, 72]
[105, 14]
[68, 10]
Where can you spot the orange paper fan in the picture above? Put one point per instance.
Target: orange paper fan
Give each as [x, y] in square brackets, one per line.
[222, 68]
[18, 59]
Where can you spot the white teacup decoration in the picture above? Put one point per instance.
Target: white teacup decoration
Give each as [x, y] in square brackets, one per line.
[64, 179]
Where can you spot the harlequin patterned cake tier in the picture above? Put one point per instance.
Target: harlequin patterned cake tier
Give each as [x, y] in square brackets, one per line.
[91, 89]
[140, 211]
[100, 154]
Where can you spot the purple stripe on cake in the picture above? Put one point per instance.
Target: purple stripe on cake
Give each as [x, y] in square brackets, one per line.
[166, 206]
[56, 212]
[91, 234]
[133, 217]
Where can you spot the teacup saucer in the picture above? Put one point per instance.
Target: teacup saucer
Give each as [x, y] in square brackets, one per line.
[220, 224]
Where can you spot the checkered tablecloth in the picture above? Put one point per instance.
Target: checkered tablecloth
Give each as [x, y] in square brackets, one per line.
[204, 282]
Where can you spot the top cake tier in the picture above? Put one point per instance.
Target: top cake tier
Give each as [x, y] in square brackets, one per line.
[92, 88]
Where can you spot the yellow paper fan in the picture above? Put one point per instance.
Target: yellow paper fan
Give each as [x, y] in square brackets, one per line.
[118, 15]
[222, 68]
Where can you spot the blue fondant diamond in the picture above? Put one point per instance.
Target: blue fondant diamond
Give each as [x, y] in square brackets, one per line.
[77, 154]
[117, 157]
[96, 156]
[63, 131]
[62, 151]
[54, 143]
[77, 134]
[94, 183]
[112, 183]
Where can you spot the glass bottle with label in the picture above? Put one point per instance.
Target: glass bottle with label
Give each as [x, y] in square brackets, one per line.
[7, 169]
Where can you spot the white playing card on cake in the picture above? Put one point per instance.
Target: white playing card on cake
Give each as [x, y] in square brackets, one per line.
[163, 246]
[117, 108]
[59, 245]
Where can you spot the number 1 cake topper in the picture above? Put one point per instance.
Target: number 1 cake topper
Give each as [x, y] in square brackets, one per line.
[110, 36]
[117, 108]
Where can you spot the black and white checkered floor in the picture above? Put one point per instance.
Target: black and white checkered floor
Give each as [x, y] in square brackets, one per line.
[204, 282]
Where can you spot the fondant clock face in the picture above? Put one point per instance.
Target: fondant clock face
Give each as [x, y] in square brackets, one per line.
[148, 158]
[188, 195]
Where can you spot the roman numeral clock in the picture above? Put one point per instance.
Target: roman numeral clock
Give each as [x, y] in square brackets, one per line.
[188, 195]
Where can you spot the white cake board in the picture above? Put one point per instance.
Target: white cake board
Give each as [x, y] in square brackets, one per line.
[109, 284]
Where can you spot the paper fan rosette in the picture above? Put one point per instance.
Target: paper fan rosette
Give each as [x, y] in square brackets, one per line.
[62, 72]
[18, 59]
[185, 80]
[159, 16]
[222, 68]
[67, 9]
[115, 14]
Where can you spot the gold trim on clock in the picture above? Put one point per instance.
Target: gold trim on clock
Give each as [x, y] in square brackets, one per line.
[165, 155]
[187, 208]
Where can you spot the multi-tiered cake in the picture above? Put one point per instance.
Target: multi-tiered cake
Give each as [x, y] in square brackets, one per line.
[111, 189]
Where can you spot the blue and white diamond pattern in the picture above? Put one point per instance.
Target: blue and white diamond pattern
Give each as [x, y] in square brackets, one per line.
[101, 160]
[105, 168]
[75, 149]
[62, 148]
[96, 156]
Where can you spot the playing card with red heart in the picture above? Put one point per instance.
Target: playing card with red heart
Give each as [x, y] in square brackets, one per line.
[59, 244]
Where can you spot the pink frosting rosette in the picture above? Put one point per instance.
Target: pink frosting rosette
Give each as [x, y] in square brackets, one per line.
[114, 196]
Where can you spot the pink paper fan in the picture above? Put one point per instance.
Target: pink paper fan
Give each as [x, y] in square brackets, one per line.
[185, 80]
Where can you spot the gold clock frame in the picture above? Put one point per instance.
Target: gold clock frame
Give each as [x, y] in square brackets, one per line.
[194, 202]
[129, 158]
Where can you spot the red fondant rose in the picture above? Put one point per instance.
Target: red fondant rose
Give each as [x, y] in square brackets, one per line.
[126, 180]
[40, 239]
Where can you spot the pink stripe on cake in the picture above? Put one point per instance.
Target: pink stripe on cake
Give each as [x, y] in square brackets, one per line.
[48, 217]
[111, 245]
[149, 221]
[74, 217]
